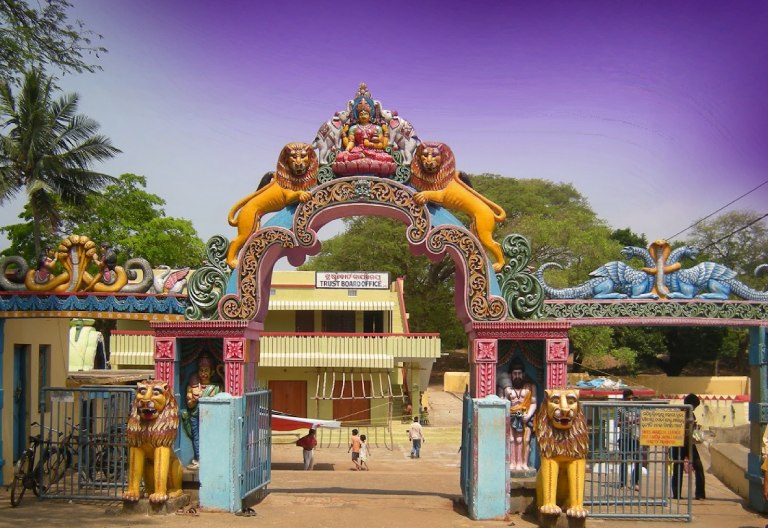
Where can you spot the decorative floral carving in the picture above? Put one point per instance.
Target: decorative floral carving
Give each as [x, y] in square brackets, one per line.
[234, 349]
[165, 348]
[164, 371]
[523, 293]
[480, 305]
[486, 380]
[486, 350]
[246, 305]
[556, 378]
[557, 350]
[234, 378]
[714, 311]
[347, 190]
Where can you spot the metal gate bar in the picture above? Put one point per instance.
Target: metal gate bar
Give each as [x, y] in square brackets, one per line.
[625, 479]
[257, 442]
[89, 438]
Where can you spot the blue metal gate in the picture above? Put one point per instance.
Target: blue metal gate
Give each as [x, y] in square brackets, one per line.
[466, 445]
[87, 426]
[626, 479]
[257, 442]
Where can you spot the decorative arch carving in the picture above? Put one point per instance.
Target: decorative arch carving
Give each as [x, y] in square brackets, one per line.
[363, 195]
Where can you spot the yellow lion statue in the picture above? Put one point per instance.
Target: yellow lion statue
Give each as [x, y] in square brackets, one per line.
[561, 431]
[151, 432]
[434, 175]
[296, 172]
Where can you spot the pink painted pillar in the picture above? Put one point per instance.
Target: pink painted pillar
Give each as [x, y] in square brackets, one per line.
[165, 356]
[482, 367]
[234, 371]
[557, 360]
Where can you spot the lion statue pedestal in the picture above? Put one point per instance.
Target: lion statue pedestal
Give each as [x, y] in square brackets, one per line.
[561, 431]
[151, 433]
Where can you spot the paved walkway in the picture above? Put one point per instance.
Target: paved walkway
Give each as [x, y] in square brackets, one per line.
[396, 491]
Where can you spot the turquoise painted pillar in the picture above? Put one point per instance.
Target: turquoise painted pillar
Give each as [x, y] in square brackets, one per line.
[220, 452]
[489, 485]
[758, 415]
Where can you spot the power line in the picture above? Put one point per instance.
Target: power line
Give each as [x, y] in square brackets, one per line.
[714, 213]
[742, 228]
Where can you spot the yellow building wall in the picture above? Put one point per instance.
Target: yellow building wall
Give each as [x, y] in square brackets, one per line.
[33, 333]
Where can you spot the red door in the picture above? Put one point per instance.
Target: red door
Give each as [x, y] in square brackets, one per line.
[289, 397]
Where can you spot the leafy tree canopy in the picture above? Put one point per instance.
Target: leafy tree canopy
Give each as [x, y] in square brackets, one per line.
[47, 150]
[555, 217]
[737, 239]
[129, 218]
[40, 35]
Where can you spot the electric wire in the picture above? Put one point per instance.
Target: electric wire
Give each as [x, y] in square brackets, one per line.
[717, 211]
[742, 228]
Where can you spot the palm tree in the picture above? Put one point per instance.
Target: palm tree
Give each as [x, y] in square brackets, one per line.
[47, 149]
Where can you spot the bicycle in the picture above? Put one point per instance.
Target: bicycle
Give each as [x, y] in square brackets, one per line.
[41, 474]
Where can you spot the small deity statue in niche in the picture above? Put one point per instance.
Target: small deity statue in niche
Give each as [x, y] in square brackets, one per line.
[521, 394]
[364, 141]
[200, 385]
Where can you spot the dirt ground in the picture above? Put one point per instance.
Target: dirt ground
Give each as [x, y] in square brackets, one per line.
[396, 491]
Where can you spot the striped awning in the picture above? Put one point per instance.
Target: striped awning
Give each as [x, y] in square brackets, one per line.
[331, 305]
[273, 358]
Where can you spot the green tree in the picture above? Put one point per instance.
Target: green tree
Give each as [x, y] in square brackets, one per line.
[47, 150]
[133, 221]
[41, 36]
[737, 239]
[627, 237]
[555, 217]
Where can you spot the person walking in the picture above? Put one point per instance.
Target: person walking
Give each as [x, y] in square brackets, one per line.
[308, 443]
[629, 442]
[365, 453]
[354, 446]
[416, 435]
[681, 454]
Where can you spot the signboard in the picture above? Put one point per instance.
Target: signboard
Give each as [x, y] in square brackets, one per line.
[358, 280]
[662, 427]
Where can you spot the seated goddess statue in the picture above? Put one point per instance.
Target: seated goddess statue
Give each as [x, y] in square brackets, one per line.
[364, 143]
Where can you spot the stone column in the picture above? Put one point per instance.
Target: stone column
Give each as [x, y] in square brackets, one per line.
[482, 367]
[557, 359]
[165, 358]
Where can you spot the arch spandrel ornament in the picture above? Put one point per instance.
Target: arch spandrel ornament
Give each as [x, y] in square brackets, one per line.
[363, 195]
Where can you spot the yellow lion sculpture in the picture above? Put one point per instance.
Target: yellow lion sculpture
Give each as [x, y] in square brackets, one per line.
[561, 431]
[151, 432]
[296, 172]
[434, 175]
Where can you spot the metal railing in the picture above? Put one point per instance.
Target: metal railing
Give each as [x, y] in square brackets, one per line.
[92, 421]
[626, 479]
[256, 470]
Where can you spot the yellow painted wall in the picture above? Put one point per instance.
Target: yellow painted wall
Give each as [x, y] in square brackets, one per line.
[32, 332]
[697, 384]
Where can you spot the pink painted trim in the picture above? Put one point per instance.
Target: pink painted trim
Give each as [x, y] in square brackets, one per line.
[341, 334]
[132, 332]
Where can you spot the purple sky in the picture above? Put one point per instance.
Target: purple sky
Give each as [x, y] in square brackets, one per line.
[656, 111]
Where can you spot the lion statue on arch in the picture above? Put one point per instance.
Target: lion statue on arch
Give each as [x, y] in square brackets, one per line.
[561, 431]
[434, 175]
[296, 172]
[151, 432]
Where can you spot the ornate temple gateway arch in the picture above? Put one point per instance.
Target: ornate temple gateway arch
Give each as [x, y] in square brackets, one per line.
[366, 161]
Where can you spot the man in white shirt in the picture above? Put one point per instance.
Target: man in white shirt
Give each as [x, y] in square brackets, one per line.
[417, 437]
